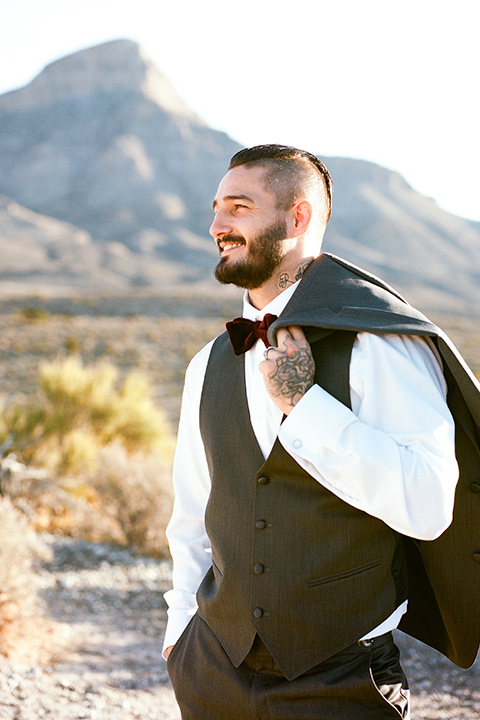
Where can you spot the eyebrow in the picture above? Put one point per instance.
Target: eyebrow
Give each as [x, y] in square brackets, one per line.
[230, 198]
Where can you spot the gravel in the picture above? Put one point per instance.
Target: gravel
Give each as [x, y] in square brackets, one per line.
[95, 652]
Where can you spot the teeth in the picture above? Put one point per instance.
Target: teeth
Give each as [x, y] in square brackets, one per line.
[229, 247]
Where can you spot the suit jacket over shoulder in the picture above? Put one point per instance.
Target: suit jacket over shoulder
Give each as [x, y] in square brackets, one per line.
[443, 574]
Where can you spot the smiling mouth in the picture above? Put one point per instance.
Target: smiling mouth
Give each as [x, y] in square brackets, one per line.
[227, 246]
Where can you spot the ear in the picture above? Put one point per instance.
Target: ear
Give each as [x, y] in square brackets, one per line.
[301, 215]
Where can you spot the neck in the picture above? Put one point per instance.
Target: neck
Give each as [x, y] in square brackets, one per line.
[260, 297]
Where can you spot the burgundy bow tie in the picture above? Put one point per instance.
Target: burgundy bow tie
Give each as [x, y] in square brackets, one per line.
[244, 333]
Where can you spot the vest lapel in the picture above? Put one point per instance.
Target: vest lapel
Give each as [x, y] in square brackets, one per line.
[230, 391]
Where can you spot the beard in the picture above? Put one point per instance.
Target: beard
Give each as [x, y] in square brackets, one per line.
[264, 256]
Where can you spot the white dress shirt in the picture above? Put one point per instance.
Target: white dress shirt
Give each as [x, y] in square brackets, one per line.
[392, 455]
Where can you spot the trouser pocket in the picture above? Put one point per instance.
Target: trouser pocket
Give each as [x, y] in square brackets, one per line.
[388, 677]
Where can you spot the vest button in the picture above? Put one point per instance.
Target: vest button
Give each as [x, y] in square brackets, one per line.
[263, 480]
[257, 613]
[260, 524]
[258, 569]
[476, 556]
[475, 487]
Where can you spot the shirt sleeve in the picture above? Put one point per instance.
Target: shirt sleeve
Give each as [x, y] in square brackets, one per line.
[189, 544]
[393, 454]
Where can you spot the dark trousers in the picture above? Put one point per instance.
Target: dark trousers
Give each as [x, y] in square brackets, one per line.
[360, 683]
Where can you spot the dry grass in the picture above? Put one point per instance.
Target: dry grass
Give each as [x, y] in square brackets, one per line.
[77, 411]
[160, 347]
[128, 499]
[159, 342]
[135, 491]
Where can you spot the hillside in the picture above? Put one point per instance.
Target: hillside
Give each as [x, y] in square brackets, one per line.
[110, 177]
[384, 225]
[47, 256]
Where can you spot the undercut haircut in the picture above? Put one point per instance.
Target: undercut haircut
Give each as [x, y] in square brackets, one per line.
[291, 174]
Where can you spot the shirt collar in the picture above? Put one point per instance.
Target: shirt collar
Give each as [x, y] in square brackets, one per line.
[275, 307]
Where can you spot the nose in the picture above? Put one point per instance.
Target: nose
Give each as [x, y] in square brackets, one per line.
[219, 226]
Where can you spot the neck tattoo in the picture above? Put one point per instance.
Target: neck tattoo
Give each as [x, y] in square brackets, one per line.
[284, 280]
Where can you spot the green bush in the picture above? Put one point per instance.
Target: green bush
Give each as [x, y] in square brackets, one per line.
[78, 411]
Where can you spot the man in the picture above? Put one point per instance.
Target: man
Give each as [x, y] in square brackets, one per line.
[310, 473]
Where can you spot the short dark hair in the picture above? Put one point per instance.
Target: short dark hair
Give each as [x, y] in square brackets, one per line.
[292, 172]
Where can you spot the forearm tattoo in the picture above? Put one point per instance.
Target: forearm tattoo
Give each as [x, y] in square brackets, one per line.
[292, 376]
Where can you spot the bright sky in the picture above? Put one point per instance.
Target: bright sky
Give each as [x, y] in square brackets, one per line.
[394, 82]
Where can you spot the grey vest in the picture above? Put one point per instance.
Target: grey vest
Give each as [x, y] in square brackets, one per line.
[291, 561]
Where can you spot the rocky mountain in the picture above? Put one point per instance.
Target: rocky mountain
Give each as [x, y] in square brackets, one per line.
[100, 140]
[109, 179]
[41, 253]
[382, 224]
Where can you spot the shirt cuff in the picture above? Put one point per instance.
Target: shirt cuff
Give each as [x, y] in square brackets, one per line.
[318, 415]
[178, 619]
[182, 607]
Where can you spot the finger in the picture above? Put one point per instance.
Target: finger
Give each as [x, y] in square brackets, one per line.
[293, 334]
[283, 335]
[271, 353]
[292, 340]
[267, 366]
[298, 335]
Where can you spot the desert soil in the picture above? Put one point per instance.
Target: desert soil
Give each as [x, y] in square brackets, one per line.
[95, 653]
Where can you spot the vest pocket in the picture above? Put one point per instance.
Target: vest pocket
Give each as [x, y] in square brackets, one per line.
[314, 582]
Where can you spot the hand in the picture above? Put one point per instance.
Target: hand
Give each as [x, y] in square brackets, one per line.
[167, 651]
[290, 369]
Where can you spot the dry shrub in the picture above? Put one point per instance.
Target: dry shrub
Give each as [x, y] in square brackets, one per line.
[34, 313]
[61, 511]
[106, 450]
[69, 509]
[77, 411]
[135, 490]
[17, 577]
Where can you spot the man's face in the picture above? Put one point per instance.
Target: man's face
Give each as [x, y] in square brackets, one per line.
[249, 230]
